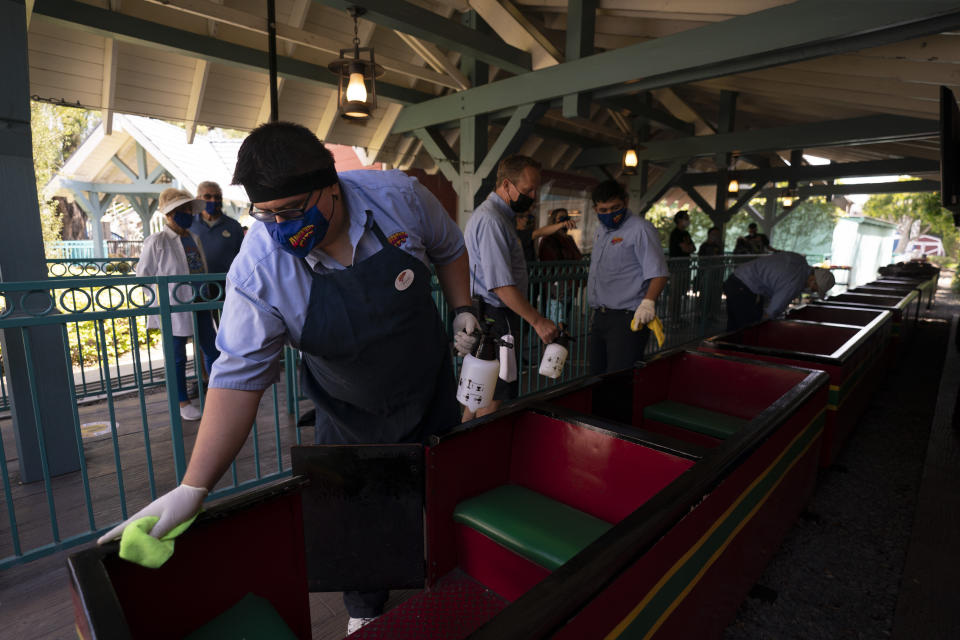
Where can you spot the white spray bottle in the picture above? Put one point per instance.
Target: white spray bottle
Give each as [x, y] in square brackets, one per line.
[555, 356]
[478, 375]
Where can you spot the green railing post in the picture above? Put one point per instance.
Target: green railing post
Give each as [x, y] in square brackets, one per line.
[170, 374]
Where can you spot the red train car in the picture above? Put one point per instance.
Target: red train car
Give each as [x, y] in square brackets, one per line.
[901, 306]
[643, 503]
[853, 357]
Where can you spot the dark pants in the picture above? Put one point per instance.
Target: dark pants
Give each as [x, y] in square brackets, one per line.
[744, 307]
[613, 346]
[207, 336]
[369, 604]
[506, 321]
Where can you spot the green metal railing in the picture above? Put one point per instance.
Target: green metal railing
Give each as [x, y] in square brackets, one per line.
[86, 267]
[101, 312]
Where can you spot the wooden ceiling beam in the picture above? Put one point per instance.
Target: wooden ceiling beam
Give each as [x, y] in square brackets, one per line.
[328, 117]
[435, 59]
[328, 42]
[754, 41]
[197, 88]
[680, 109]
[860, 66]
[108, 93]
[514, 29]
[449, 34]
[70, 14]
[872, 101]
[379, 138]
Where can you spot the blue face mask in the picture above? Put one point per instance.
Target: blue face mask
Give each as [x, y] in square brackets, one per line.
[298, 237]
[183, 219]
[210, 206]
[613, 219]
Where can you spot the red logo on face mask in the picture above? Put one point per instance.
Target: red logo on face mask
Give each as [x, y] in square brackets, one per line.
[616, 241]
[397, 239]
[299, 239]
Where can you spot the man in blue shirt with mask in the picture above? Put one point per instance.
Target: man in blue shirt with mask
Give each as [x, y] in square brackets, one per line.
[498, 269]
[627, 273]
[763, 288]
[338, 267]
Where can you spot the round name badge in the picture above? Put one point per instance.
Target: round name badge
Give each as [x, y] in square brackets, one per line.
[226, 234]
[404, 280]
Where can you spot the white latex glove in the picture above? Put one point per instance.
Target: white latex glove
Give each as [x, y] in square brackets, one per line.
[172, 508]
[645, 313]
[463, 327]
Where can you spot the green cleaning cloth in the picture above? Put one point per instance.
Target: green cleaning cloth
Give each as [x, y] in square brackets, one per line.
[139, 547]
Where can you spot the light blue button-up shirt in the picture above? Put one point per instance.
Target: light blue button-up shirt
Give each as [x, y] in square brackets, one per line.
[496, 255]
[623, 262]
[268, 289]
[779, 278]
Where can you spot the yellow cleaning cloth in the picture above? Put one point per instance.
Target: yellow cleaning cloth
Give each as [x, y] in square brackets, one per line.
[654, 325]
[139, 547]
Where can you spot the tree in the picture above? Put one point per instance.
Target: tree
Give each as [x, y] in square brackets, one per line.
[915, 214]
[57, 131]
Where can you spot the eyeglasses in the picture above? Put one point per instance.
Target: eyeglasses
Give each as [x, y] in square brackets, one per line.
[294, 213]
[212, 196]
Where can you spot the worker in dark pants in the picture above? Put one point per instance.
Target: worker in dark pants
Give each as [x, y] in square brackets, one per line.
[627, 273]
[763, 288]
[337, 266]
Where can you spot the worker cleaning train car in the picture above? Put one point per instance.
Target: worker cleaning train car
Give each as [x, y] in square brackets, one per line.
[338, 267]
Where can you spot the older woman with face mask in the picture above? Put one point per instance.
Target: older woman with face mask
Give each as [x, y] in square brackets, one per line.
[171, 252]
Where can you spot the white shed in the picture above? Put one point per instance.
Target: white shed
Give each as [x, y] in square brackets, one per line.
[864, 244]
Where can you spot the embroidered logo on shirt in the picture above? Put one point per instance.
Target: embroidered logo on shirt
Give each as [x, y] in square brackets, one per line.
[299, 239]
[617, 240]
[404, 280]
[226, 234]
[397, 239]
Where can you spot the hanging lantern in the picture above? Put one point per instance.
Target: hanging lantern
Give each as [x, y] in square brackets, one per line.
[733, 186]
[357, 86]
[788, 199]
[630, 161]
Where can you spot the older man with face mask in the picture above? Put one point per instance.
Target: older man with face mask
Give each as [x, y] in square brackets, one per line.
[220, 235]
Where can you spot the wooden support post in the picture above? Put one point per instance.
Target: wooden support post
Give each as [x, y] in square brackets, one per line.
[22, 258]
[581, 24]
[473, 134]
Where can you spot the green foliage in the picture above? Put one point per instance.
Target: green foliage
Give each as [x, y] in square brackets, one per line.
[808, 229]
[57, 131]
[85, 345]
[916, 214]
[661, 215]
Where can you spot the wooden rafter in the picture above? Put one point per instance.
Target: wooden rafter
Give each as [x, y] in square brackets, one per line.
[328, 41]
[197, 88]
[108, 93]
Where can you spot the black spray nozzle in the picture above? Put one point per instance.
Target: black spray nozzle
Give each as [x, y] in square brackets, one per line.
[487, 347]
[563, 338]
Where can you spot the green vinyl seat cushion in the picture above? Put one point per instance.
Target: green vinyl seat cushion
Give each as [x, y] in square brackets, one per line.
[711, 423]
[252, 618]
[544, 531]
